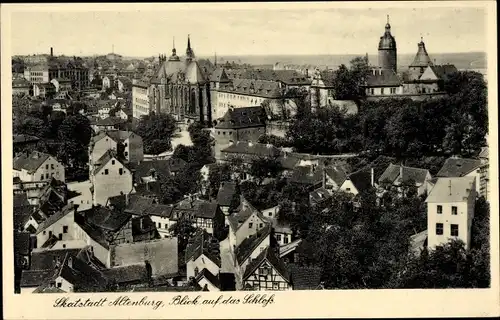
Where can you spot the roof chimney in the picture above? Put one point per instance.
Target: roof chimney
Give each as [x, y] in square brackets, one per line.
[373, 176]
[449, 186]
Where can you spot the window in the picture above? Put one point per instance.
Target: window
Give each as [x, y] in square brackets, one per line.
[52, 166]
[112, 161]
[348, 189]
[276, 286]
[196, 270]
[47, 167]
[50, 234]
[120, 171]
[59, 284]
[270, 214]
[439, 209]
[60, 236]
[44, 232]
[106, 171]
[454, 230]
[250, 225]
[126, 154]
[439, 229]
[393, 90]
[278, 237]
[454, 210]
[261, 225]
[285, 240]
[264, 271]
[65, 229]
[382, 91]
[41, 177]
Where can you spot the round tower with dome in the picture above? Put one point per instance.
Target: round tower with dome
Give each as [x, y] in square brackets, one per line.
[387, 50]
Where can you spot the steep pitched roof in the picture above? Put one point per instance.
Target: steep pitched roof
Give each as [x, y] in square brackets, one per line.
[22, 215]
[142, 225]
[34, 278]
[336, 173]
[203, 243]
[137, 204]
[107, 219]
[421, 58]
[458, 167]
[269, 256]
[361, 179]
[319, 195]
[219, 75]
[67, 209]
[126, 274]
[194, 74]
[162, 167]
[20, 200]
[31, 162]
[443, 72]
[83, 277]
[245, 249]
[289, 77]
[409, 173]
[46, 260]
[451, 190]
[205, 273]
[237, 118]
[104, 159]
[258, 88]
[197, 208]
[226, 193]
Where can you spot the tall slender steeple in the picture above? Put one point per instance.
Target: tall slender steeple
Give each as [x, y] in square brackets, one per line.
[174, 56]
[189, 51]
[215, 59]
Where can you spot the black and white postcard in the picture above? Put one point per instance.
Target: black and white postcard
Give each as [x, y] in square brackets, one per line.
[264, 160]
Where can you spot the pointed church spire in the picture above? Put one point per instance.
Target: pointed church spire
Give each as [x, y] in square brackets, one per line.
[189, 51]
[174, 56]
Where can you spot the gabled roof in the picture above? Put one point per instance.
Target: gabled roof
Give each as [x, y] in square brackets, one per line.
[104, 159]
[304, 278]
[83, 277]
[142, 225]
[137, 204]
[319, 195]
[269, 256]
[383, 78]
[307, 175]
[203, 243]
[197, 208]
[34, 278]
[444, 71]
[160, 167]
[485, 153]
[245, 249]
[219, 75]
[255, 149]
[105, 218]
[194, 74]
[361, 179]
[46, 260]
[336, 173]
[238, 118]
[409, 173]
[31, 162]
[67, 209]
[22, 215]
[289, 77]
[20, 200]
[126, 274]
[458, 167]
[226, 193]
[451, 190]
[205, 273]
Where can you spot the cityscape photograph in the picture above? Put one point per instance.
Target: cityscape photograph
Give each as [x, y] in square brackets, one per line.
[250, 150]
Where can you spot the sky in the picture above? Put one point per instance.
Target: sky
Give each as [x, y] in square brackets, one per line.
[264, 29]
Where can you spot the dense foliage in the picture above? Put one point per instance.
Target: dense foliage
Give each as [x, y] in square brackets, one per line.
[64, 135]
[452, 125]
[156, 132]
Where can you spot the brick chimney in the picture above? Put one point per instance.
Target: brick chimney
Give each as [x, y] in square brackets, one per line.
[51, 51]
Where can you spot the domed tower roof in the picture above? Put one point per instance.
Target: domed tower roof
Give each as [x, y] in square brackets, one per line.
[387, 41]
[422, 58]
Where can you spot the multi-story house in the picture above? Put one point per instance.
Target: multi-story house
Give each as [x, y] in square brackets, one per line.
[245, 222]
[127, 142]
[140, 98]
[450, 210]
[62, 86]
[397, 175]
[109, 178]
[203, 214]
[267, 272]
[37, 166]
[239, 124]
[202, 252]
[60, 225]
[463, 167]
[21, 86]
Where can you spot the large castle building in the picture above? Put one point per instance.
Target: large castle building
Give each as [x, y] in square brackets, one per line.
[422, 79]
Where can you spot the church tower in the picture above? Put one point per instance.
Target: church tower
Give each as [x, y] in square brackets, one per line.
[174, 56]
[387, 51]
[189, 51]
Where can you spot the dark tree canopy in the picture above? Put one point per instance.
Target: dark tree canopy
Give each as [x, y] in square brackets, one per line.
[156, 132]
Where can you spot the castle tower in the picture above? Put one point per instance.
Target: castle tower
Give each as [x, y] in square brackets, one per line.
[420, 62]
[189, 51]
[387, 51]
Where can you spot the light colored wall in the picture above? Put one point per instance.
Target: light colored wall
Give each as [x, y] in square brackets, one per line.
[64, 285]
[100, 252]
[111, 184]
[50, 168]
[244, 231]
[57, 228]
[281, 237]
[465, 214]
[162, 225]
[101, 147]
[378, 91]
[348, 187]
[263, 245]
[134, 148]
[140, 102]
